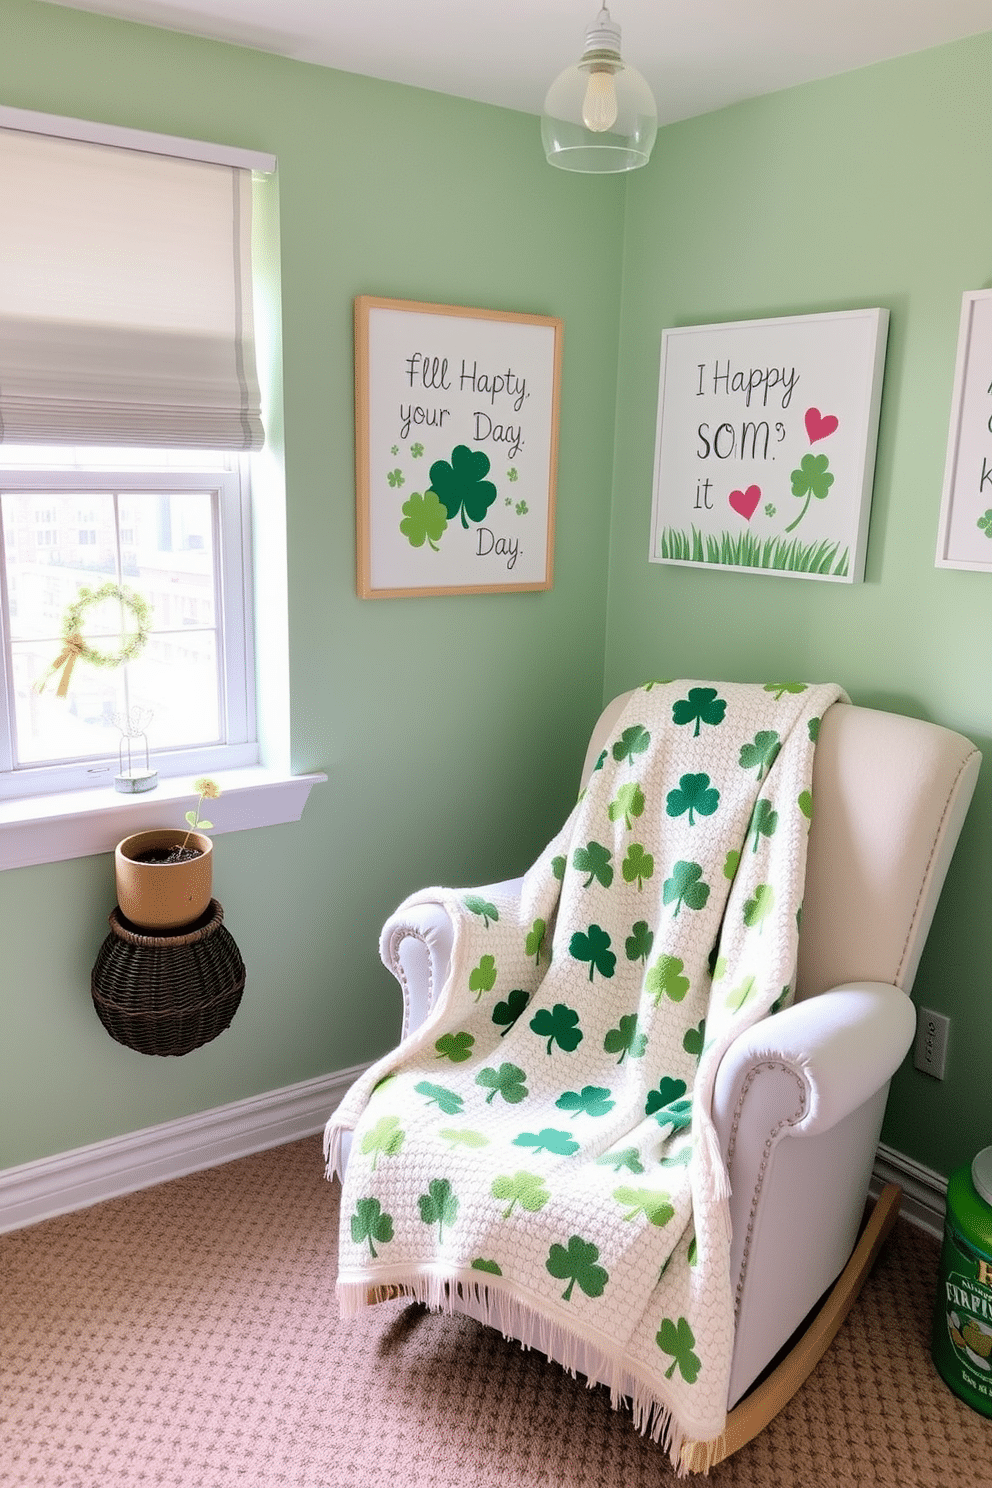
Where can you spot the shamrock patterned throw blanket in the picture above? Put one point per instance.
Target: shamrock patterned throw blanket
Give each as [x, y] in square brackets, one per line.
[544, 1141]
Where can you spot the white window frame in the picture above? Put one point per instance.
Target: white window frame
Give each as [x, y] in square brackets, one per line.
[236, 669]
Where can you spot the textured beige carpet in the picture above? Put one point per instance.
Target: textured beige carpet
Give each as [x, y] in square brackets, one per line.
[188, 1336]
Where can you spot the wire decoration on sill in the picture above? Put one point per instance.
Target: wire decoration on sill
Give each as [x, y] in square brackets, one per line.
[76, 648]
[132, 779]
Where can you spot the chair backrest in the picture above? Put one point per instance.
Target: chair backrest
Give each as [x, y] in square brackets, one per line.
[890, 795]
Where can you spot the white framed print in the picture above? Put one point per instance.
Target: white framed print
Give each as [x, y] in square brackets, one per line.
[964, 538]
[765, 446]
[456, 415]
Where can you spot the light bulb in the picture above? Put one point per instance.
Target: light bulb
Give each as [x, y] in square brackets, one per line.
[599, 107]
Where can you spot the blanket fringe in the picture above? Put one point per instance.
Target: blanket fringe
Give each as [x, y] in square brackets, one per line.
[579, 1356]
[333, 1167]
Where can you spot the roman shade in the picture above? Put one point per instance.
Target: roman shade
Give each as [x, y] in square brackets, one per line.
[125, 297]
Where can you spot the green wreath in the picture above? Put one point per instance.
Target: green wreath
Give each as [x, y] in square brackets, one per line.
[76, 648]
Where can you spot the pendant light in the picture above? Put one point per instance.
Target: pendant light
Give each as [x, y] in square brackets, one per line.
[600, 114]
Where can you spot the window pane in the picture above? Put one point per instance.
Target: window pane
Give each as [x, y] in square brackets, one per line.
[161, 545]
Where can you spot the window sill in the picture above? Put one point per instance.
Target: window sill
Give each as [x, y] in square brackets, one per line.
[79, 824]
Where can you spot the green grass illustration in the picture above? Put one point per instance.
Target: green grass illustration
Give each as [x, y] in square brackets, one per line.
[744, 550]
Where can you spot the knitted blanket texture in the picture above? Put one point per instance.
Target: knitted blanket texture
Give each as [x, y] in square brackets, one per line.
[544, 1141]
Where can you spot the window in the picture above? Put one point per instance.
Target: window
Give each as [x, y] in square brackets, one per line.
[172, 528]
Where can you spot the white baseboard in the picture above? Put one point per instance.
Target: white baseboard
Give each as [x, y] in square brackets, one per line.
[105, 1170]
[924, 1192]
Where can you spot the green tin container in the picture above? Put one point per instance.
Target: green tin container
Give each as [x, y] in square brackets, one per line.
[962, 1322]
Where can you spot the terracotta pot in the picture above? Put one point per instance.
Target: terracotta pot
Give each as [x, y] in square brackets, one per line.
[163, 896]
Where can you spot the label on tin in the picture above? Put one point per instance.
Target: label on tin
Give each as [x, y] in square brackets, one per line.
[964, 1353]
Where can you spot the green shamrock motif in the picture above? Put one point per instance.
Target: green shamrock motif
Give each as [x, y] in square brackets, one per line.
[448, 1101]
[369, 1223]
[476, 905]
[561, 1143]
[637, 866]
[639, 942]
[438, 1206]
[507, 1081]
[686, 887]
[760, 754]
[462, 1137]
[678, 1340]
[779, 689]
[731, 863]
[591, 1100]
[526, 1189]
[764, 822]
[416, 450]
[757, 910]
[558, 866]
[559, 1025]
[628, 1158]
[665, 979]
[396, 478]
[985, 523]
[695, 794]
[701, 706]
[813, 726]
[669, 1092]
[632, 741]
[770, 508]
[455, 1046]
[628, 803]
[692, 1039]
[738, 997]
[462, 486]
[656, 1207]
[577, 1263]
[813, 478]
[513, 474]
[492, 1267]
[625, 1039]
[482, 978]
[509, 1011]
[521, 508]
[593, 945]
[424, 520]
[394, 449]
[534, 942]
[805, 803]
[384, 1139]
[594, 859]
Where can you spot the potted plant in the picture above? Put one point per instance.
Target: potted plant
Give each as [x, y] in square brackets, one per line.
[164, 876]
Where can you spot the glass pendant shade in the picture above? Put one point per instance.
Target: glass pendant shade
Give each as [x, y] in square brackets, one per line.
[600, 114]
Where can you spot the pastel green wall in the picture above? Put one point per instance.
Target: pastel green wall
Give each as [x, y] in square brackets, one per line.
[428, 715]
[868, 189]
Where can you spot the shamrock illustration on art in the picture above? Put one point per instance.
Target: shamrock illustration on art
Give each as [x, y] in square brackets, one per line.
[593, 945]
[455, 1046]
[640, 941]
[594, 859]
[813, 478]
[577, 1263]
[632, 741]
[695, 795]
[461, 484]
[760, 754]
[626, 804]
[625, 1039]
[985, 523]
[665, 979]
[637, 866]
[424, 520]
[764, 822]
[508, 1012]
[395, 478]
[534, 942]
[686, 887]
[482, 978]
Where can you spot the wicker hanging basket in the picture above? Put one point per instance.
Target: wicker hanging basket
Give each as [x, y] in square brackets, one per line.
[168, 993]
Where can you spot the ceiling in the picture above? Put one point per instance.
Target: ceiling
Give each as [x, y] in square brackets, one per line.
[698, 55]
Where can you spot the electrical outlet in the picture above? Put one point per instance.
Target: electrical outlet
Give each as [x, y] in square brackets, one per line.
[930, 1053]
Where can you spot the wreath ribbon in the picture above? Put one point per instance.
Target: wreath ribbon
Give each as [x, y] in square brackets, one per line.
[70, 655]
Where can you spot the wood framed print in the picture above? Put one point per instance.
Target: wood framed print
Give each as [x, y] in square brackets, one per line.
[965, 534]
[456, 448]
[765, 449]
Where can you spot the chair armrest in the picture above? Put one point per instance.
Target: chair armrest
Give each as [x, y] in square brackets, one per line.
[416, 944]
[820, 1059]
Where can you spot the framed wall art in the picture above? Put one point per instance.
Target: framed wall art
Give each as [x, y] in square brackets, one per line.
[964, 538]
[456, 416]
[765, 448]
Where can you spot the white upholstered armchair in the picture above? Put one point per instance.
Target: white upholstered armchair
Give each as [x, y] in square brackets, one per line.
[800, 1097]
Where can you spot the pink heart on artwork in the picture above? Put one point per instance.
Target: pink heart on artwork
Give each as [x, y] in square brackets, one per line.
[819, 425]
[746, 502]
